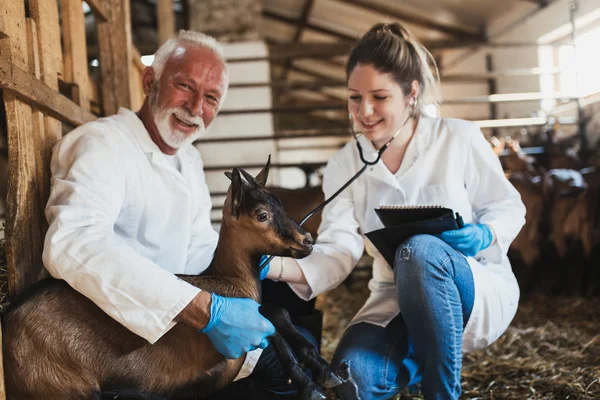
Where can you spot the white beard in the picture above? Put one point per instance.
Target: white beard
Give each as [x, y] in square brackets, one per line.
[174, 137]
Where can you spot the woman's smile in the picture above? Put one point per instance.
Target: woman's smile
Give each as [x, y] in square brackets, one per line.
[371, 125]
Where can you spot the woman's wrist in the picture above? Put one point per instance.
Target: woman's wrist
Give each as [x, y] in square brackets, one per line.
[287, 270]
[275, 272]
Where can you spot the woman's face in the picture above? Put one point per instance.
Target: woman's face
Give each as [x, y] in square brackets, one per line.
[376, 103]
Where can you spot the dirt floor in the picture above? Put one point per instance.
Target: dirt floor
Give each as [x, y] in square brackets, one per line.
[550, 351]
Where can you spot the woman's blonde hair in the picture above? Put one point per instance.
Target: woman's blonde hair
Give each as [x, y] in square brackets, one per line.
[390, 48]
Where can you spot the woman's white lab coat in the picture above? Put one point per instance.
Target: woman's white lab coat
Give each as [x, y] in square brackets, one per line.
[449, 163]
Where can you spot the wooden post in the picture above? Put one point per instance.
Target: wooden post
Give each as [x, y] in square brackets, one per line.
[136, 88]
[45, 15]
[25, 219]
[76, 68]
[165, 18]
[114, 38]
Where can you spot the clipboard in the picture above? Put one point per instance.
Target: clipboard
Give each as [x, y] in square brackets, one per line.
[402, 222]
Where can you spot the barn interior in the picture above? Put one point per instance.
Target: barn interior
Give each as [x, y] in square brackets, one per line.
[525, 71]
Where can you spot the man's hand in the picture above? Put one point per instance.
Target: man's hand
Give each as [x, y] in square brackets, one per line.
[236, 327]
[469, 240]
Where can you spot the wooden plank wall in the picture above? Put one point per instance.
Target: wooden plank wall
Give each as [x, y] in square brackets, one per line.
[31, 65]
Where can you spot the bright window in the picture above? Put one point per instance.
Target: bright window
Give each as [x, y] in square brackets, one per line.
[563, 59]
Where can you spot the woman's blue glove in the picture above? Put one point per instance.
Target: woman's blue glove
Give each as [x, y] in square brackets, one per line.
[265, 270]
[469, 240]
[236, 327]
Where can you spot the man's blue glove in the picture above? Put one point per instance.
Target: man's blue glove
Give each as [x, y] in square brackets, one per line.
[469, 240]
[236, 327]
[265, 270]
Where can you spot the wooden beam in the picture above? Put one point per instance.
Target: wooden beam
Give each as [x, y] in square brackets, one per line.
[105, 56]
[280, 135]
[75, 51]
[457, 32]
[24, 232]
[291, 109]
[135, 79]
[502, 73]
[309, 73]
[447, 45]
[45, 15]
[165, 19]
[326, 31]
[37, 119]
[292, 85]
[303, 21]
[285, 51]
[114, 37]
[122, 43]
[98, 8]
[22, 85]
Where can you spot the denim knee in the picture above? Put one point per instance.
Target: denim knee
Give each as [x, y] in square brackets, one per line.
[417, 255]
[364, 379]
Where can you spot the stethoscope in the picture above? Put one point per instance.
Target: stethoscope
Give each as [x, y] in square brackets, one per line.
[360, 172]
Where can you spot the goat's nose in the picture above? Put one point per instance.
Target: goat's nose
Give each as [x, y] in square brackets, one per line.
[308, 240]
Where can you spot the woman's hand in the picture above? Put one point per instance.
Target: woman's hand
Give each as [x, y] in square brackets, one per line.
[469, 240]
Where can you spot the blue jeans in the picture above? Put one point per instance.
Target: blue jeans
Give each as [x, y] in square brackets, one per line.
[434, 287]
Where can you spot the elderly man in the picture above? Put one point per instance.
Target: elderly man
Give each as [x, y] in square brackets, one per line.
[129, 208]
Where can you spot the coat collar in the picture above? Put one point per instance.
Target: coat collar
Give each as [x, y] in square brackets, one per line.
[155, 155]
[419, 144]
[140, 132]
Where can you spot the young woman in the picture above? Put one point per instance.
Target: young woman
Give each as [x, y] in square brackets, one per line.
[445, 294]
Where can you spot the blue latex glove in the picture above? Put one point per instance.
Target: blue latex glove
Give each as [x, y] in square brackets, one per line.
[236, 327]
[469, 240]
[265, 270]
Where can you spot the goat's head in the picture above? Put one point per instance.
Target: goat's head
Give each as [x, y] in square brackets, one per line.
[259, 218]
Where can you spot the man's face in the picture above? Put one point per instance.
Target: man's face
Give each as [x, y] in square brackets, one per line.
[186, 98]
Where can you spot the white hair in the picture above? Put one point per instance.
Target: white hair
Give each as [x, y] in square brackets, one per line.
[164, 53]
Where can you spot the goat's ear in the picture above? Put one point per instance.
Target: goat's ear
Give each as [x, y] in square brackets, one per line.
[228, 174]
[236, 192]
[249, 178]
[264, 174]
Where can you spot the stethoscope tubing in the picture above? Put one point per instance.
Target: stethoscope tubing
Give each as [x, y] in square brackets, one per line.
[359, 173]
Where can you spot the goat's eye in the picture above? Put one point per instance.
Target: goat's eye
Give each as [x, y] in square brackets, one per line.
[262, 217]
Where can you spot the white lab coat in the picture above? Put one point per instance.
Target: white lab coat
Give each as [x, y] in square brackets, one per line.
[449, 163]
[123, 220]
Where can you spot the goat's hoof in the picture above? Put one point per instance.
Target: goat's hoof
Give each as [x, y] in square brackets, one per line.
[330, 380]
[313, 393]
[343, 371]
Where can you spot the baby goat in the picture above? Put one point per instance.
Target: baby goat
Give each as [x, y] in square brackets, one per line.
[59, 345]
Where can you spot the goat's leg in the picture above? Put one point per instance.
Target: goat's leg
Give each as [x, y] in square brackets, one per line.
[306, 387]
[305, 350]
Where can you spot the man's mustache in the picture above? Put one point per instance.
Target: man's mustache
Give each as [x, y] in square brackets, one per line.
[185, 116]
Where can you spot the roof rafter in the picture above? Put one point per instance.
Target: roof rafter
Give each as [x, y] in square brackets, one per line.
[304, 15]
[293, 21]
[457, 32]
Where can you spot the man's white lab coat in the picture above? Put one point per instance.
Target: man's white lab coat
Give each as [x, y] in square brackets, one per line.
[448, 163]
[122, 221]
